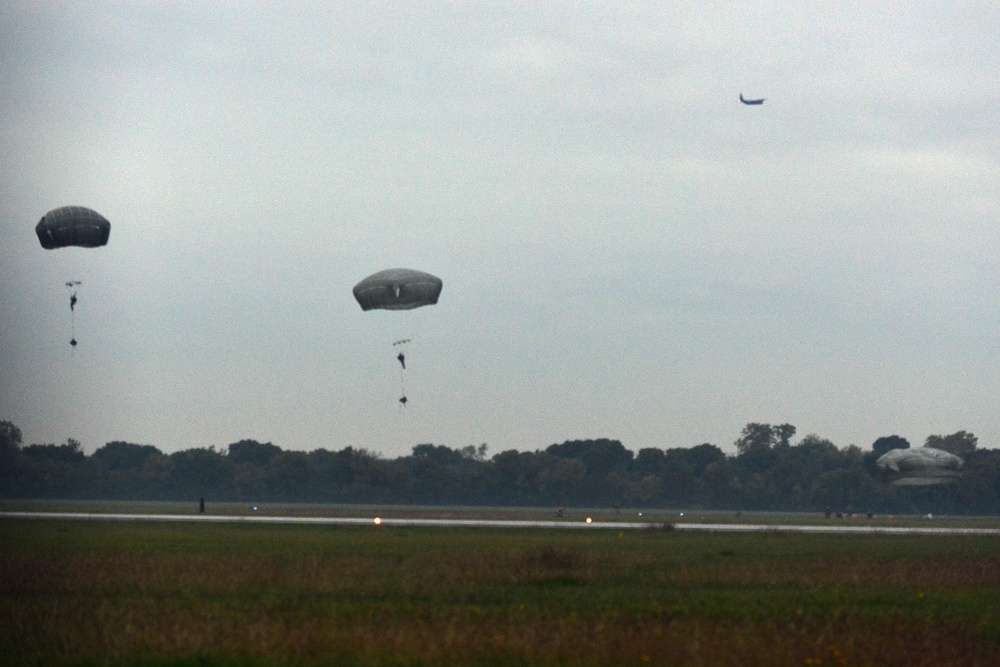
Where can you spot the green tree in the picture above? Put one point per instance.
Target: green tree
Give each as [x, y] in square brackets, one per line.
[201, 472]
[846, 489]
[156, 479]
[333, 471]
[755, 437]
[69, 453]
[601, 456]
[783, 435]
[701, 456]
[679, 480]
[561, 481]
[718, 486]
[291, 478]
[439, 454]
[648, 461]
[515, 476]
[648, 491]
[475, 453]
[253, 452]
[681, 471]
[887, 443]
[960, 444]
[10, 452]
[115, 469]
[10, 438]
[124, 455]
[979, 488]
[54, 471]
[369, 476]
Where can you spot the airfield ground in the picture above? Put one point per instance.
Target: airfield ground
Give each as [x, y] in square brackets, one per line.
[247, 593]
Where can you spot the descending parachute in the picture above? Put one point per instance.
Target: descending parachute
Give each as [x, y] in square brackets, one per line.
[73, 226]
[919, 466]
[398, 289]
[751, 102]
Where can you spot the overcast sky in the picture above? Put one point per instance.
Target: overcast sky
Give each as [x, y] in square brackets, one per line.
[627, 251]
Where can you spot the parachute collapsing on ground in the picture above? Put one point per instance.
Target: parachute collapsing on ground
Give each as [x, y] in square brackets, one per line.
[920, 466]
[398, 289]
[73, 226]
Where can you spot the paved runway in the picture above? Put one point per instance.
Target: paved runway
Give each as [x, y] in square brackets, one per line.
[474, 523]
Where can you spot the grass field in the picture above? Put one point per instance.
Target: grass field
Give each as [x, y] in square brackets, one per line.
[249, 594]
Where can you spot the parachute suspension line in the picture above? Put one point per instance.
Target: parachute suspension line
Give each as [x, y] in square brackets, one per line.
[72, 285]
[401, 358]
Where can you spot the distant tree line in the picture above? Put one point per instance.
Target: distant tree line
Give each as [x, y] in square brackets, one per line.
[768, 472]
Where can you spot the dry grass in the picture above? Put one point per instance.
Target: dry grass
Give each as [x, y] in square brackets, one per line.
[221, 595]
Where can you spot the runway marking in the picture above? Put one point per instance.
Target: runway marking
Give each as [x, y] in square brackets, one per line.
[380, 522]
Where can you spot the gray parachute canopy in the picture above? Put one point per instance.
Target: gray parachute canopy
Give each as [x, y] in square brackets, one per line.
[919, 466]
[73, 226]
[398, 289]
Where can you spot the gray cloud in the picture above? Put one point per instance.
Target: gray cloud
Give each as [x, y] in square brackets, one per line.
[627, 251]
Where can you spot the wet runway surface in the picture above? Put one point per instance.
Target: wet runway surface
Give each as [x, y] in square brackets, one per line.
[382, 522]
